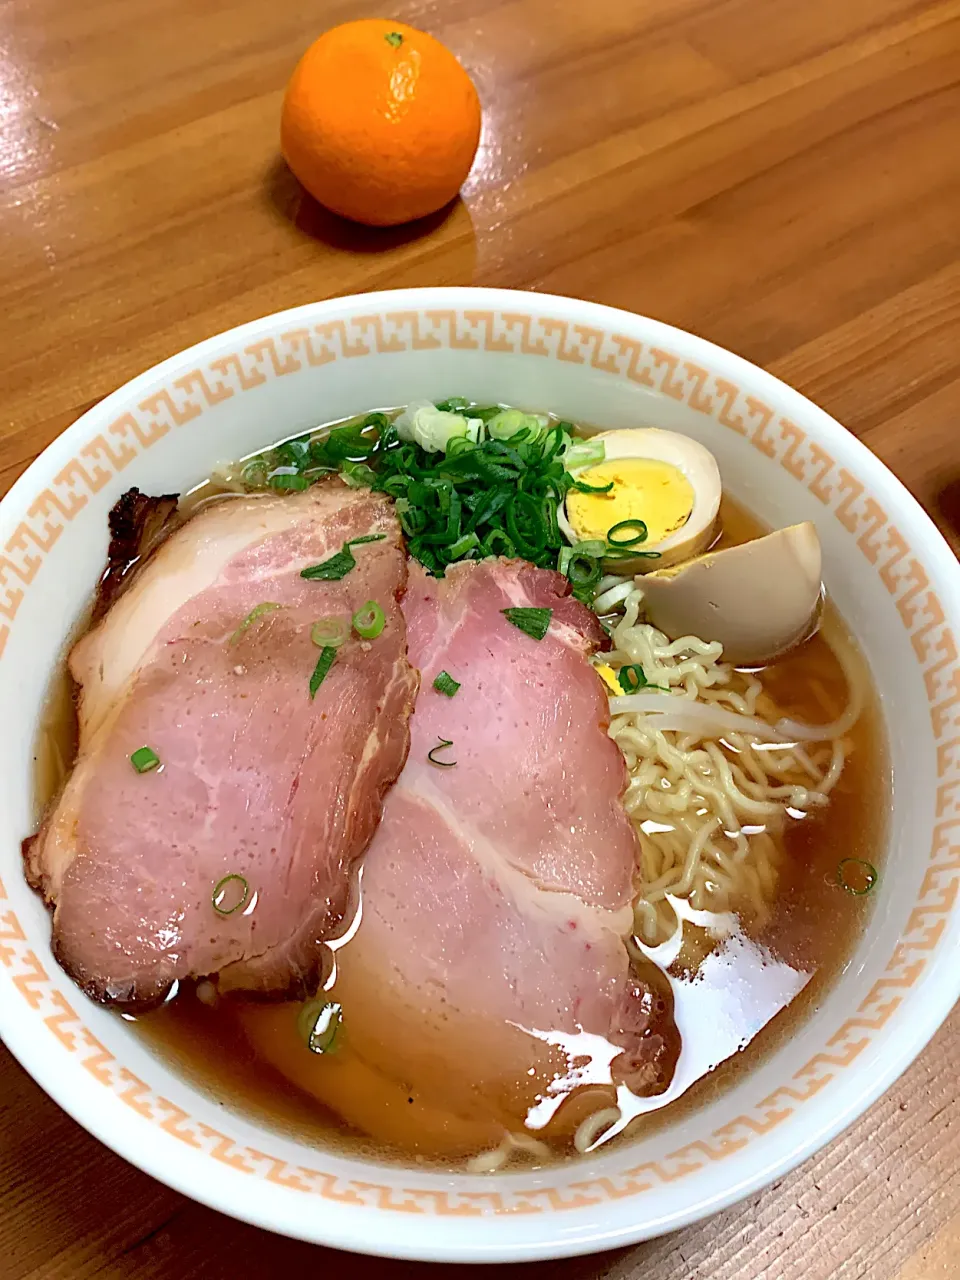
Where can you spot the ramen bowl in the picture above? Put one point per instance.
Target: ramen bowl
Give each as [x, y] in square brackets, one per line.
[894, 579]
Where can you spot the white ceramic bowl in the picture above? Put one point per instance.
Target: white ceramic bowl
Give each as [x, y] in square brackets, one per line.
[893, 577]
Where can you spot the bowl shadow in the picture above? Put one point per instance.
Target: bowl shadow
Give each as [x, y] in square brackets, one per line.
[946, 510]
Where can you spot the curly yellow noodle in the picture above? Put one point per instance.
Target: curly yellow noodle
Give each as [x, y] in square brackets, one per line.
[710, 809]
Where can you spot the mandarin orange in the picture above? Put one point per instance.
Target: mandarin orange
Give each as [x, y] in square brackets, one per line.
[380, 122]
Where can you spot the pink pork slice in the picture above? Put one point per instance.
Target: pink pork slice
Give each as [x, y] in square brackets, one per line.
[497, 891]
[258, 780]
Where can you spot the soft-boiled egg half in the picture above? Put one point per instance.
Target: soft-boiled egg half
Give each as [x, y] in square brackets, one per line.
[656, 481]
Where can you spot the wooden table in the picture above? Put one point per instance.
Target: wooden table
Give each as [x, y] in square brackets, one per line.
[782, 176]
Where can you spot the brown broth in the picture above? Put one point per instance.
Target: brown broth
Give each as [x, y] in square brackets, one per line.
[815, 924]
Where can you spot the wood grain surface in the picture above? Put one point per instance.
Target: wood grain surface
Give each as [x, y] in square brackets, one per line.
[781, 176]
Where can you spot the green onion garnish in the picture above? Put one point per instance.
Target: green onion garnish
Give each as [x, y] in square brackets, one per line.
[496, 495]
[145, 759]
[445, 683]
[583, 571]
[497, 543]
[324, 663]
[319, 1023]
[640, 534]
[254, 473]
[253, 616]
[287, 480]
[441, 745]
[458, 550]
[332, 570]
[329, 633]
[226, 898]
[631, 678]
[856, 876]
[533, 622]
[496, 492]
[369, 621]
[293, 453]
[586, 453]
[582, 565]
[582, 487]
[596, 548]
[339, 565]
[358, 475]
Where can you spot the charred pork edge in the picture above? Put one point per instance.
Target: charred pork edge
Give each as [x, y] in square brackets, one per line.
[139, 525]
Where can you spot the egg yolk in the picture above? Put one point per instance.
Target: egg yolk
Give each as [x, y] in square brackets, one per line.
[609, 677]
[644, 489]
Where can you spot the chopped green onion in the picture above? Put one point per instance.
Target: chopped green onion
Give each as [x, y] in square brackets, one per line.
[585, 594]
[634, 539]
[369, 621]
[594, 547]
[583, 571]
[632, 678]
[582, 487]
[255, 614]
[351, 442]
[254, 473]
[441, 745]
[497, 543]
[856, 876]
[357, 475]
[284, 480]
[222, 890]
[621, 553]
[339, 565]
[584, 559]
[533, 622]
[320, 671]
[293, 453]
[445, 683]
[319, 1023]
[145, 759]
[486, 412]
[508, 425]
[459, 444]
[332, 570]
[493, 489]
[329, 633]
[587, 453]
[496, 494]
[459, 549]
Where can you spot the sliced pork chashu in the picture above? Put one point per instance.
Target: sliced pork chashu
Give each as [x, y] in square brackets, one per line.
[488, 979]
[258, 780]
